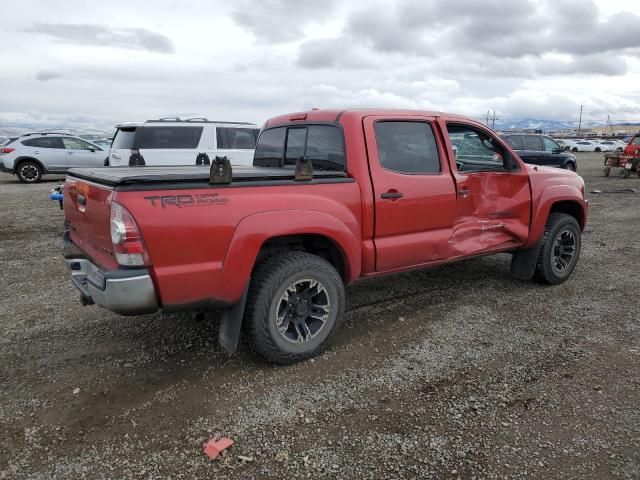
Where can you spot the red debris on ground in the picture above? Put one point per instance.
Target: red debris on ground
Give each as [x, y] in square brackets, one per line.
[215, 447]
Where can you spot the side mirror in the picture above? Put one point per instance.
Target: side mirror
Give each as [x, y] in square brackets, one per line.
[91, 149]
[556, 150]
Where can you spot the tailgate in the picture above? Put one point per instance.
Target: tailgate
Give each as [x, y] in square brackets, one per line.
[87, 212]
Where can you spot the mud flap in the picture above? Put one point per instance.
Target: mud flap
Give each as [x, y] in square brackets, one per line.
[231, 323]
[523, 262]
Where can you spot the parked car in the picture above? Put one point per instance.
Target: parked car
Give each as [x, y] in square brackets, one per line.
[173, 141]
[607, 145]
[35, 154]
[585, 146]
[333, 196]
[541, 150]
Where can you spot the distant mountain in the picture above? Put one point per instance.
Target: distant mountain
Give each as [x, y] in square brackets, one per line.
[551, 125]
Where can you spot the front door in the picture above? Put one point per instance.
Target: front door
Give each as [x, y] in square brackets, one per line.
[493, 199]
[80, 154]
[414, 195]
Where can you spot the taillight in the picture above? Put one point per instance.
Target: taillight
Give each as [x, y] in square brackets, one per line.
[6, 150]
[126, 238]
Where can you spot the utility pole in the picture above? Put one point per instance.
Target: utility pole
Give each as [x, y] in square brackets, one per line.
[580, 122]
[486, 118]
[493, 120]
[610, 126]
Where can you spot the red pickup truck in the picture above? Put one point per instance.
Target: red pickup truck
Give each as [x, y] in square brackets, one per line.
[389, 191]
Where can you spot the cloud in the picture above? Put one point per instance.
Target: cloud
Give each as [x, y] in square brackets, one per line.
[46, 75]
[278, 21]
[100, 35]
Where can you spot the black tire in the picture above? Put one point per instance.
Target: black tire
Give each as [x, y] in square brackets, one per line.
[626, 173]
[29, 171]
[570, 166]
[598, 149]
[607, 171]
[286, 273]
[560, 228]
[574, 149]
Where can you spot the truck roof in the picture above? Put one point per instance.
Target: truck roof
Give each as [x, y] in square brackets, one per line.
[334, 115]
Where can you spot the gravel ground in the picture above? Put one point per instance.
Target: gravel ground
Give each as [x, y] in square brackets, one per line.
[455, 372]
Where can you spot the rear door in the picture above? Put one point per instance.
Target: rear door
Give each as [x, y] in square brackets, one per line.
[49, 151]
[415, 198]
[82, 154]
[237, 143]
[493, 203]
[533, 150]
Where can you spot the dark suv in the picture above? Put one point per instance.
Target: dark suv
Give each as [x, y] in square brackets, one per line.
[541, 150]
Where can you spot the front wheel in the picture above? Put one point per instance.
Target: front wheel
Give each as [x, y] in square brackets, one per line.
[560, 249]
[574, 149]
[598, 149]
[570, 166]
[626, 173]
[29, 172]
[296, 303]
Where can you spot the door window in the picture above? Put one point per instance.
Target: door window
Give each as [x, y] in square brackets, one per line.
[44, 142]
[75, 144]
[475, 150]
[236, 138]
[550, 145]
[532, 142]
[407, 147]
[515, 141]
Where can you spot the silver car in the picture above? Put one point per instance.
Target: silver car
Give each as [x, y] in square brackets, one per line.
[35, 154]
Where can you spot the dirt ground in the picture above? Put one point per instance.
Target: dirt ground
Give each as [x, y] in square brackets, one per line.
[456, 372]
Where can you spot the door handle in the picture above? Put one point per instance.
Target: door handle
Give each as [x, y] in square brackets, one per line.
[392, 194]
[69, 153]
[463, 192]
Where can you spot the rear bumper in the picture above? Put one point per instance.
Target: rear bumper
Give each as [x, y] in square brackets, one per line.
[127, 292]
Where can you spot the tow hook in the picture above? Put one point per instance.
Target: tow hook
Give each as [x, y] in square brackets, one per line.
[85, 301]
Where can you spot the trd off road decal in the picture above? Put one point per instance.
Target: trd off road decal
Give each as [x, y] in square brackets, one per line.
[180, 201]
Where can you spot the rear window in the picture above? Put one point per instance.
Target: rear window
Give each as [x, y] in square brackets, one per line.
[532, 142]
[236, 138]
[322, 144]
[169, 137]
[44, 142]
[635, 141]
[124, 138]
[270, 148]
[515, 141]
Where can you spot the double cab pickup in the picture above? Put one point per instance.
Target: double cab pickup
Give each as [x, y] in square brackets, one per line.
[332, 197]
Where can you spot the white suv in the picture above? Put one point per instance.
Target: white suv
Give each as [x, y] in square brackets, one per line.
[35, 154]
[174, 141]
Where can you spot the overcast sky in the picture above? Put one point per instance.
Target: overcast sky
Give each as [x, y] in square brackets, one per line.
[98, 63]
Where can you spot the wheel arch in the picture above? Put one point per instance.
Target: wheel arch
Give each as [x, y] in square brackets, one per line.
[18, 161]
[260, 235]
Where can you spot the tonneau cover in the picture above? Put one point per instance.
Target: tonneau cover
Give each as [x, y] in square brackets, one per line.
[115, 176]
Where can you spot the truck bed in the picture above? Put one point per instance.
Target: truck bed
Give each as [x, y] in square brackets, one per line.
[117, 176]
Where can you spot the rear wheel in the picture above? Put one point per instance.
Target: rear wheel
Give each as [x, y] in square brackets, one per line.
[598, 149]
[607, 171]
[560, 249]
[296, 303]
[570, 166]
[574, 149]
[29, 172]
[626, 172]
